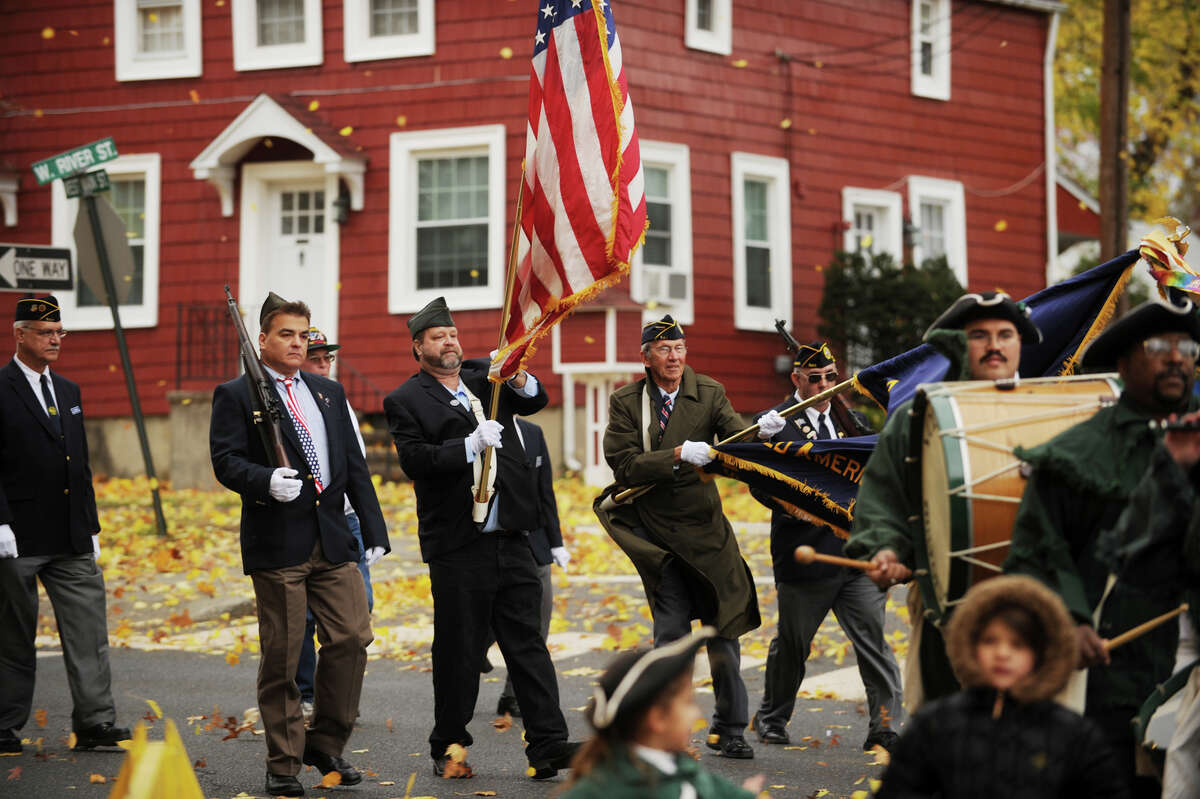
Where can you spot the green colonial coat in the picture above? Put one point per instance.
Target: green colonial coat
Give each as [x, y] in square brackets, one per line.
[682, 514]
[623, 777]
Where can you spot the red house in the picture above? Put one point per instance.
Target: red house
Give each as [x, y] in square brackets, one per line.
[363, 155]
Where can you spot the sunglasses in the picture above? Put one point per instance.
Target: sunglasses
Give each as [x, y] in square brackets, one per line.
[817, 377]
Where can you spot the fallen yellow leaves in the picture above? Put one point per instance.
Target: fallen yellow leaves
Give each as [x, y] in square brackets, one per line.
[97, 778]
[332, 779]
[503, 723]
[40, 716]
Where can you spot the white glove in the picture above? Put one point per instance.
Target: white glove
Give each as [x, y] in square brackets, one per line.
[696, 453]
[769, 424]
[561, 556]
[8, 542]
[486, 435]
[372, 556]
[95, 547]
[284, 486]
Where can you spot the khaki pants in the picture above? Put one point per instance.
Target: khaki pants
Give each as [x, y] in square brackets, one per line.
[338, 601]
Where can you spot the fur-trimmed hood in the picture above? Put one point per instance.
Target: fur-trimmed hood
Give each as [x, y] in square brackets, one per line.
[1057, 661]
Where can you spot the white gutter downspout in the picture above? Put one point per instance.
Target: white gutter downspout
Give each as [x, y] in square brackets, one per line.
[1051, 150]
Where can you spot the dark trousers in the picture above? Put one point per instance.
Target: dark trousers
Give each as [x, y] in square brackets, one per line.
[547, 609]
[335, 594]
[76, 590]
[859, 606]
[673, 606]
[1117, 726]
[491, 584]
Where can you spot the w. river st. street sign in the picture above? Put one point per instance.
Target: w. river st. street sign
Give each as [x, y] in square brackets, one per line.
[73, 161]
[27, 268]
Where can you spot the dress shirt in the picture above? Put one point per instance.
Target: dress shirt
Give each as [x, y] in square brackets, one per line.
[312, 415]
[814, 419]
[35, 383]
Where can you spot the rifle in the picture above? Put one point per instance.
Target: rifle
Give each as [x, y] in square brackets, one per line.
[788, 340]
[264, 401]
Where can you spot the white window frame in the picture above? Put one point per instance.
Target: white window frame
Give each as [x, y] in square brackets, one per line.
[720, 39]
[132, 65]
[406, 150]
[676, 160]
[937, 85]
[62, 233]
[248, 55]
[360, 45]
[774, 172]
[949, 193]
[890, 238]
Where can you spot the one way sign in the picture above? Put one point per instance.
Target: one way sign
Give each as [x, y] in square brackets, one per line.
[28, 268]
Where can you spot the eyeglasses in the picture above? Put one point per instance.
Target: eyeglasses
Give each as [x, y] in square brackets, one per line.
[1159, 347]
[49, 333]
[666, 349]
[817, 377]
[330, 358]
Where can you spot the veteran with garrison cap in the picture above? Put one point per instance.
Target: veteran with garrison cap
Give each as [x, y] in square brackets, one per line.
[48, 532]
[994, 328]
[676, 534]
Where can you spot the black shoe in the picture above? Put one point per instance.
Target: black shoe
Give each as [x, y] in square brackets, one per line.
[769, 733]
[283, 785]
[508, 704]
[729, 745]
[486, 666]
[327, 763]
[884, 738]
[557, 757]
[101, 735]
[440, 764]
[10, 742]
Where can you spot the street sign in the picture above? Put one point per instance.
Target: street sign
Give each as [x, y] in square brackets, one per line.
[120, 257]
[73, 161]
[25, 267]
[90, 183]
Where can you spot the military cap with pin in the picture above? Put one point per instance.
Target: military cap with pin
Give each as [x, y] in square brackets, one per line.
[317, 341]
[633, 680]
[665, 329]
[38, 309]
[813, 356]
[435, 314]
[988, 305]
[1147, 320]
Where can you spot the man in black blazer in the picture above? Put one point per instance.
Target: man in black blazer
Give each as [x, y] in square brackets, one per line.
[48, 532]
[297, 547]
[481, 570]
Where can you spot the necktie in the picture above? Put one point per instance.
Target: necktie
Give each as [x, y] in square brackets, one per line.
[824, 430]
[51, 410]
[306, 442]
[664, 415]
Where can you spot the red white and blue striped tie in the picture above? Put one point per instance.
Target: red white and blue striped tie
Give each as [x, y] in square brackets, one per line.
[306, 442]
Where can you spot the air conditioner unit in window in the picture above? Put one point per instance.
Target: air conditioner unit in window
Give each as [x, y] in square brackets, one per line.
[665, 285]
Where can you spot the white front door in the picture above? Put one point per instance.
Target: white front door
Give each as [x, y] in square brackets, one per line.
[296, 272]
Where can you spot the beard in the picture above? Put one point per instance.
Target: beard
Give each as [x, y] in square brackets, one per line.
[449, 359]
[1167, 401]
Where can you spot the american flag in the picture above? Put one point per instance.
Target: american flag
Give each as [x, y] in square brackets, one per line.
[584, 205]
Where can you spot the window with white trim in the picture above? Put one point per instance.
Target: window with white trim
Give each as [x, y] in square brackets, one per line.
[762, 241]
[135, 196]
[377, 29]
[872, 219]
[931, 49]
[446, 218]
[273, 34]
[661, 277]
[938, 209]
[708, 25]
[157, 39]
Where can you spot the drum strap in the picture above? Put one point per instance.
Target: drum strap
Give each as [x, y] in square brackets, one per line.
[1074, 695]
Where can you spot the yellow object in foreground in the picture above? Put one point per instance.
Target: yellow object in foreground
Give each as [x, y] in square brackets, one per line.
[156, 768]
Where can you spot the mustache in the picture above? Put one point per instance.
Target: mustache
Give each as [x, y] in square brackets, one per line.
[996, 353]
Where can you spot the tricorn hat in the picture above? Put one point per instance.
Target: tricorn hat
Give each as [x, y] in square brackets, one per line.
[317, 341]
[813, 355]
[988, 305]
[1146, 320]
[665, 329]
[38, 309]
[435, 314]
[634, 679]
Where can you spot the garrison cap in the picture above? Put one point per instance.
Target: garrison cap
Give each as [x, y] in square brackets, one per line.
[1147, 320]
[317, 341]
[435, 314]
[665, 329]
[988, 305]
[38, 309]
[813, 355]
[273, 302]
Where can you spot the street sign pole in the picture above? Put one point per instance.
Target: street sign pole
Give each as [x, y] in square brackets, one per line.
[89, 198]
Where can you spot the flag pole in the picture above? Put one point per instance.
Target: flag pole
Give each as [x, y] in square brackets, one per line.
[481, 491]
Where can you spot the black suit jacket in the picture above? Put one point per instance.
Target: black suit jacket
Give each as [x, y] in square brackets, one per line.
[278, 534]
[548, 533]
[788, 532]
[429, 427]
[45, 479]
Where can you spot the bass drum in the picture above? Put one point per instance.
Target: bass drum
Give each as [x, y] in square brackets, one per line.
[969, 480]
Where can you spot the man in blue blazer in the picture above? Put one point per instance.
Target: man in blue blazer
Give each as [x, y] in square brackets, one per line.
[297, 547]
[48, 532]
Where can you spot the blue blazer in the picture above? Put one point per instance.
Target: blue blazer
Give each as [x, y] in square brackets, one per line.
[548, 533]
[278, 534]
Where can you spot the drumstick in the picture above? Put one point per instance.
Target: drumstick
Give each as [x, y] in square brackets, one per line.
[807, 554]
[1142, 628]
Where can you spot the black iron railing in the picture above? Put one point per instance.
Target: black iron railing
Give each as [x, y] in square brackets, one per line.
[206, 346]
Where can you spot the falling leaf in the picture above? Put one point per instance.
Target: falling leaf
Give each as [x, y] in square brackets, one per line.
[346, 131]
[195, 95]
[867, 241]
[1001, 226]
[506, 53]
[740, 63]
[818, 64]
[47, 33]
[401, 121]
[313, 105]
[785, 123]
[331, 779]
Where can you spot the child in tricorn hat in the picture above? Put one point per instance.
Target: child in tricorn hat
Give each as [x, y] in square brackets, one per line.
[644, 712]
[1012, 645]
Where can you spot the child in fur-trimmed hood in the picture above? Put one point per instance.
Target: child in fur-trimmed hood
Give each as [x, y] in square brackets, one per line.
[1012, 645]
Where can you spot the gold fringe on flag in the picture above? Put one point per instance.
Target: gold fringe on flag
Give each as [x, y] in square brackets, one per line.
[1101, 321]
[750, 466]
